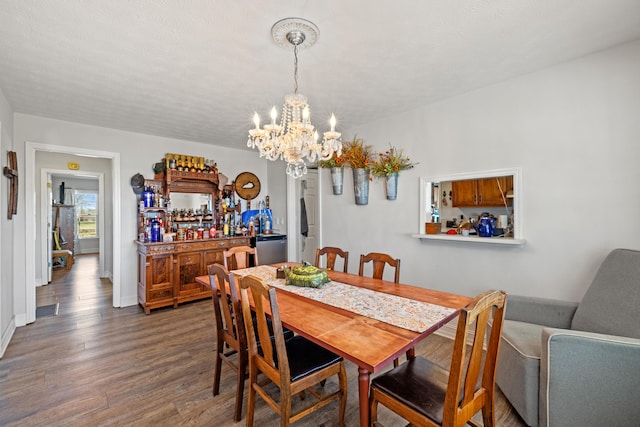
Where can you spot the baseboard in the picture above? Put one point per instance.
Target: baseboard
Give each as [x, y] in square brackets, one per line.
[448, 330]
[128, 301]
[87, 251]
[20, 320]
[7, 334]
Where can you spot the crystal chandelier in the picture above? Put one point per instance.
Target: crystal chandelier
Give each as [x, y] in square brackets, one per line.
[295, 139]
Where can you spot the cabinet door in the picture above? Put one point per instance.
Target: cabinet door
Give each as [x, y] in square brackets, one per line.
[189, 265]
[155, 288]
[159, 280]
[463, 193]
[489, 190]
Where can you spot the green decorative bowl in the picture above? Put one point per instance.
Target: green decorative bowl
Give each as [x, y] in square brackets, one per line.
[306, 276]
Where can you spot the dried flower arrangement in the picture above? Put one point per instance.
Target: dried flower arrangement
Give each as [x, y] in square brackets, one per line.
[391, 161]
[358, 155]
[334, 162]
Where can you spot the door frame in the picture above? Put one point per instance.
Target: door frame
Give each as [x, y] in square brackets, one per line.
[45, 211]
[294, 192]
[30, 219]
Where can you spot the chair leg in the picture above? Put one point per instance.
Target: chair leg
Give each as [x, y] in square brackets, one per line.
[373, 409]
[285, 408]
[216, 373]
[395, 363]
[242, 370]
[488, 414]
[251, 400]
[342, 381]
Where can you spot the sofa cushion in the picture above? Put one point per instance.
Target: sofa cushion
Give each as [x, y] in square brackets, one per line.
[518, 375]
[610, 304]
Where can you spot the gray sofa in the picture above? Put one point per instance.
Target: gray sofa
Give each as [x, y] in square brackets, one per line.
[577, 364]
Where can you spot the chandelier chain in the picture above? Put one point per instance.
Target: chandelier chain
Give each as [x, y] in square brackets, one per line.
[295, 68]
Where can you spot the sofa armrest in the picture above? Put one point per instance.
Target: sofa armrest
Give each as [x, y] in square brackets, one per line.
[541, 311]
[588, 379]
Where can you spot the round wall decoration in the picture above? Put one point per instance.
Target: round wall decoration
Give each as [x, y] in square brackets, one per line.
[247, 186]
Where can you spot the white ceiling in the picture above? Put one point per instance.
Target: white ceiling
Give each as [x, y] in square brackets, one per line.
[197, 69]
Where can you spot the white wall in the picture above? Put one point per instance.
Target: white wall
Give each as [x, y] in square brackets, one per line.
[277, 176]
[574, 130]
[138, 154]
[7, 322]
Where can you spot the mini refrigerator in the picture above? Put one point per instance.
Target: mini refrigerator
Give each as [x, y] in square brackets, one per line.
[272, 248]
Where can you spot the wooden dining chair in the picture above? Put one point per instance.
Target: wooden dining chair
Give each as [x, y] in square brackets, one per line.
[238, 257]
[293, 365]
[426, 394]
[231, 336]
[230, 333]
[380, 260]
[332, 254]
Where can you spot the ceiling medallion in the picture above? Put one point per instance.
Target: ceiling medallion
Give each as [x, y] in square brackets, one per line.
[295, 139]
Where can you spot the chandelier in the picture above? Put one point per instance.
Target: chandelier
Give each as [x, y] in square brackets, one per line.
[294, 139]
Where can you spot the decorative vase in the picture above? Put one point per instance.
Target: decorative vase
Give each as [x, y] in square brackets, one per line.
[392, 186]
[337, 175]
[361, 185]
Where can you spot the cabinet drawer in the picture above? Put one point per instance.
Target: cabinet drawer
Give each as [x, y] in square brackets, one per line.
[239, 242]
[162, 249]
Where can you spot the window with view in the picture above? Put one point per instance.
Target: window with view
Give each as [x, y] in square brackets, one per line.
[87, 213]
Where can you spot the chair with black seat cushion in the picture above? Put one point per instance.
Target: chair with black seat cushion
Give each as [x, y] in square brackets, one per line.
[294, 366]
[332, 254]
[239, 257]
[230, 333]
[426, 394]
[380, 260]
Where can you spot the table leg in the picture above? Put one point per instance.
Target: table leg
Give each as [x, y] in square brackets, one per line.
[411, 353]
[363, 394]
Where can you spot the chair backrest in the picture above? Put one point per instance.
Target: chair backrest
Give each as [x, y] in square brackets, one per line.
[227, 308]
[610, 305]
[238, 257]
[332, 253]
[465, 393]
[379, 262]
[275, 365]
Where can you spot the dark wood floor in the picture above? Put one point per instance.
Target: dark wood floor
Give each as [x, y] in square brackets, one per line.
[94, 365]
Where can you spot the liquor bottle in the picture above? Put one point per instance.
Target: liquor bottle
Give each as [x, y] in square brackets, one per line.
[225, 227]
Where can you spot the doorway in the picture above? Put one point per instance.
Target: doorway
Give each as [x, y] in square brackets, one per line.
[307, 188]
[50, 196]
[33, 240]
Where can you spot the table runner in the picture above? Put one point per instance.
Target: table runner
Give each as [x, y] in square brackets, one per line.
[403, 312]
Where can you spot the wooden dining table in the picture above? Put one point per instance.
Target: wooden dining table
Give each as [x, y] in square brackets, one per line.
[368, 343]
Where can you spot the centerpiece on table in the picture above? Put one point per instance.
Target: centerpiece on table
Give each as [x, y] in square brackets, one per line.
[388, 165]
[360, 158]
[306, 276]
[336, 165]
